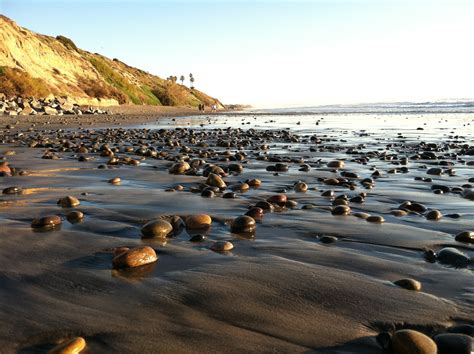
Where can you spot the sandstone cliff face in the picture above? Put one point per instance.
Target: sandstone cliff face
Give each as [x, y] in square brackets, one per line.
[85, 77]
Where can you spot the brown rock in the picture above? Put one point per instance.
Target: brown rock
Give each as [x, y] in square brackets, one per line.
[215, 181]
[135, 257]
[46, 223]
[243, 224]
[157, 228]
[222, 246]
[69, 202]
[407, 341]
[465, 236]
[71, 346]
[409, 284]
[198, 221]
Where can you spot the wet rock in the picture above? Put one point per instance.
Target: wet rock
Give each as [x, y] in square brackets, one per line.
[46, 223]
[71, 346]
[327, 239]
[215, 181]
[413, 206]
[450, 343]
[278, 199]
[468, 194]
[341, 210]
[75, 216]
[376, 219]
[158, 228]
[254, 183]
[291, 204]
[5, 169]
[240, 187]
[398, 213]
[197, 238]
[222, 246]
[409, 284]
[243, 224]
[435, 171]
[452, 256]
[300, 187]
[69, 202]
[115, 180]
[179, 168]
[266, 206]
[336, 164]
[434, 215]
[255, 212]
[466, 329]
[465, 236]
[12, 190]
[361, 215]
[199, 221]
[229, 195]
[135, 257]
[407, 341]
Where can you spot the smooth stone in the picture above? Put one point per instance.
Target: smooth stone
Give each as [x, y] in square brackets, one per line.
[465, 236]
[207, 193]
[215, 181]
[179, 168]
[328, 239]
[222, 246]
[157, 228]
[434, 215]
[409, 284]
[12, 190]
[46, 222]
[413, 206]
[454, 343]
[300, 187]
[398, 213]
[71, 346]
[75, 216]
[135, 257]
[292, 204]
[229, 195]
[361, 215]
[335, 164]
[328, 193]
[376, 219]
[241, 187]
[266, 206]
[115, 180]
[197, 238]
[435, 171]
[243, 224]
[255, 212]
[278, 199]
[341, 210]
[69, 202]
[198, 221]
[453, 256]
[466, 329]
[468, 194]
[340, 202]
[254, 182]
[407, 341]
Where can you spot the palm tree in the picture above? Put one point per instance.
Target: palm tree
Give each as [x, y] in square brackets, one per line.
[182, 79]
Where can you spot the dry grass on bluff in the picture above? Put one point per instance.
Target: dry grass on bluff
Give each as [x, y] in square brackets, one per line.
[15, 82]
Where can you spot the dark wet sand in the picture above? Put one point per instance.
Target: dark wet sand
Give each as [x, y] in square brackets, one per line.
[283, 290]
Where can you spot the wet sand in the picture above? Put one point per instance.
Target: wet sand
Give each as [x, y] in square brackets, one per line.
[281, 289]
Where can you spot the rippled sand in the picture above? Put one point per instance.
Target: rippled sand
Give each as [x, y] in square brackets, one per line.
[283, 290]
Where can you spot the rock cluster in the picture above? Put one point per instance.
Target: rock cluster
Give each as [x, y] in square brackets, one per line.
[46, 106]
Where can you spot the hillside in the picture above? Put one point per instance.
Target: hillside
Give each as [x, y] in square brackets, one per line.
[37, 65]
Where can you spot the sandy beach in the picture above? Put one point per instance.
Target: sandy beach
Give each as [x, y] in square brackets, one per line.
[349, 205]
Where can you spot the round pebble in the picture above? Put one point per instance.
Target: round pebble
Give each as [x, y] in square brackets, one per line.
[158, 228]
[407, 341]
[243, 224]
[71, 346]
[135, 257]
[75, 216]
[465, 236]
[222, 246]
[46, 223]
[376, 219]
[69, 202]
[198, 221]
[434, 215]
[409, 284]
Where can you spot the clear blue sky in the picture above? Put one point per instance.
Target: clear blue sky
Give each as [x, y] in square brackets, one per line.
[270, 53]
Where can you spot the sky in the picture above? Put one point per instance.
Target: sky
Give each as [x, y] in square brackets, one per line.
[278, 53]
